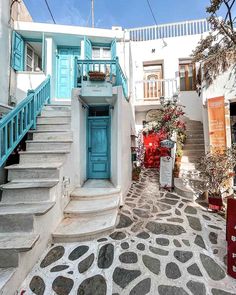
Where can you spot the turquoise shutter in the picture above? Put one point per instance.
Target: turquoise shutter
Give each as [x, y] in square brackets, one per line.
[113, 49]
[87, 48]
[17, 61]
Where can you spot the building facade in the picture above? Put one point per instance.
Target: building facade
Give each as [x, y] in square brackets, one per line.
[99, 86]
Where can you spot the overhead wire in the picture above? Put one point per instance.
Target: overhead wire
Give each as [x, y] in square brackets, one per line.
[153, 15]
[49, 9]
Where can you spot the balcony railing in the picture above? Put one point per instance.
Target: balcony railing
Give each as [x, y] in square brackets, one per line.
[111, 68]
[152, 90]
[170, 30]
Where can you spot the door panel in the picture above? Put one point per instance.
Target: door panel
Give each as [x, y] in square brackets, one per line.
[98, 148]
[65, 71]
[153, 86]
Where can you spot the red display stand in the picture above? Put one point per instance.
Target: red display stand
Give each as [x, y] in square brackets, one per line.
[231, 237]
[153, 150]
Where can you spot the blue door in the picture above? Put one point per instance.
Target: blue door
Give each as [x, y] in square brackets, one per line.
[66, 71]
[99, 148]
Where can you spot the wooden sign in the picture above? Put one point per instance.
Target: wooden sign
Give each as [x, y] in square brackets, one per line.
[166, 172]
[216, 118]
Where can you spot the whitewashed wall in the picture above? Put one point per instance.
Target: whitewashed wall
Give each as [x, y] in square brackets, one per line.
[4, 50]
[223, 85]
[26, 81]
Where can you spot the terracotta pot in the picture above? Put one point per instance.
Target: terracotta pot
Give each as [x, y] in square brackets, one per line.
[215, 203]
[178, 159]
[135, 177]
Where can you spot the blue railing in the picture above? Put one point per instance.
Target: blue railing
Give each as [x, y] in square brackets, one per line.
[111, 68]
[15, 125]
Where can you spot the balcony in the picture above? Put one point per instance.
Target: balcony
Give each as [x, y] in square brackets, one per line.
[112, 71]
[149, 92]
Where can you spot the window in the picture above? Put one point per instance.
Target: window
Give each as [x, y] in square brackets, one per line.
[101, 53]
[187, 74]
[33, 60]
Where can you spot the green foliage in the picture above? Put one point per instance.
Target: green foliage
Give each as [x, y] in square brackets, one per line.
[217, 51]
[216, 168]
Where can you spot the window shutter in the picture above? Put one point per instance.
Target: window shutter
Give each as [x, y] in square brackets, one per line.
[87, 48]
[17, 61]
[113, 49]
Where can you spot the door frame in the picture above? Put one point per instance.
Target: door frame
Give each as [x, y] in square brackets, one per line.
[108, 140]
[57, 68]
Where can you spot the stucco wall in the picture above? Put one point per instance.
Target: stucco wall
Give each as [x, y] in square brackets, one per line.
[26, 81]
[223, 85]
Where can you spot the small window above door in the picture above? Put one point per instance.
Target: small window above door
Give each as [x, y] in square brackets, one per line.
[98, 111]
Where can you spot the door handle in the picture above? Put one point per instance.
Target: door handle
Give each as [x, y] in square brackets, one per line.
[89, 149]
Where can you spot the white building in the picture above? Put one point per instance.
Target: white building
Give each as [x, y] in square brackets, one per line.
[80, 145]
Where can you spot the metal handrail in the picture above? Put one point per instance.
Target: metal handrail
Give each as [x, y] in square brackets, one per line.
[15, 125]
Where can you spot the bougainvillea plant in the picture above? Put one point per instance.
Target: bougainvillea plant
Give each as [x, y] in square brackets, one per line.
[217, 51]
[217, 169]
[170, 121]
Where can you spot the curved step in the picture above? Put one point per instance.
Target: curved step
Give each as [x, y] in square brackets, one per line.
[84, 206]
[75, 229]
[93, 193]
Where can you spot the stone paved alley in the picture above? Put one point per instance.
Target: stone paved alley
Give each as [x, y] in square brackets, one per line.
[163, 244]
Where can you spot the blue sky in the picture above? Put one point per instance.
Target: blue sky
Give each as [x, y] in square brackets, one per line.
[125, 13]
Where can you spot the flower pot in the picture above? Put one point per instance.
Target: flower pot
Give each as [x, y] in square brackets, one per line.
[135, 177]
[215, 203]
[178, 159]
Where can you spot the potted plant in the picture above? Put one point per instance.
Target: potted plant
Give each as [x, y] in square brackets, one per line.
[217, 169]
[176, 170]
[179, 153]
[136, 172]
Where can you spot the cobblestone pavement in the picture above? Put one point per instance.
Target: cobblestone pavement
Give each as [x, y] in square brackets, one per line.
[164, 244]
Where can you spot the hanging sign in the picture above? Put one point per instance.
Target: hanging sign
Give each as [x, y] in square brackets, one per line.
[167, 143]
[166, 172]
[216, 115]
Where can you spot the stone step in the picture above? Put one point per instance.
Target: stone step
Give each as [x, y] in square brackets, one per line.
[194, 146]
[28, 191]
[84, 227]
[190, 159]
[19, 217]
[84, 206]
[54, 127]
[5, 275]
[12, 244]
[43, 156]
[194, 133]
[53, 120]
[42, 145]
[183, 190]
[55, 113]
[196, 124]
[187, 166]
[36, 209]
[94, 193]
[57, 107]
[193, 153]
[34, 171]
[62, 135]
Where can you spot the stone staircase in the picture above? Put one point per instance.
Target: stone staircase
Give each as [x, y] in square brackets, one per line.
[194, 146]
[92, 210]
[29, 208]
